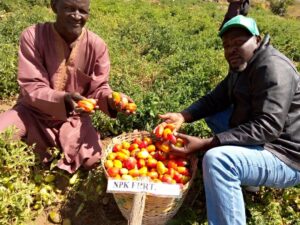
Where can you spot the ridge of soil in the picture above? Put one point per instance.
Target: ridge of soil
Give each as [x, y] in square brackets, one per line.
[6, 104]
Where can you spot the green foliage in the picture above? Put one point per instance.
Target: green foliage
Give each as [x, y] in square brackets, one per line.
[8, 67]
[157, 57]
[11, 6]
[274, 206]
[27, 187]
[16, 188]
[165, 56]
[11, 26]
[166, 59]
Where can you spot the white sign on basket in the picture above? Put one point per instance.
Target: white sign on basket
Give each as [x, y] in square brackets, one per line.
[133, 186]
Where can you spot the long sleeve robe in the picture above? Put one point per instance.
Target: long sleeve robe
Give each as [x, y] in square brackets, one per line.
[48, 67]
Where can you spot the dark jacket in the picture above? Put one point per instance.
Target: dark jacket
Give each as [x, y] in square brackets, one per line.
[266, 105]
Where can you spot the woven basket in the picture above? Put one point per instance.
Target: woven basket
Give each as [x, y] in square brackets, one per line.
[158, 210]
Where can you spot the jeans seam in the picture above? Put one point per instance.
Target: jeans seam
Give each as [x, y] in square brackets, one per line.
[232, 205]
[269, 171]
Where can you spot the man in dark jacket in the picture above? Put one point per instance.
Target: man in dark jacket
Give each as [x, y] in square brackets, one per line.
[260, 144]
[236, 7]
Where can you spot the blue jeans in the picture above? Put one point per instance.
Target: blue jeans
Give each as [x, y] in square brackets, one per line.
[226, 168]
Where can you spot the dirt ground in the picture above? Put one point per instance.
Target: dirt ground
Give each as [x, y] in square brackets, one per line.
[5, 105]
[104, 211]
[294, 10]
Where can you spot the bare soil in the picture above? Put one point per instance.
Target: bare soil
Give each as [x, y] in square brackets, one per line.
[105, 211]
[294, 10]
[5, 105]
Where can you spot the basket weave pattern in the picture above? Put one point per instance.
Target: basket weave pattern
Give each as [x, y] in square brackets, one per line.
[158, 210]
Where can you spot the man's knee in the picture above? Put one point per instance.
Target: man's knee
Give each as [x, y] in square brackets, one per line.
[218, 160]
[92, 162]
[213, 156]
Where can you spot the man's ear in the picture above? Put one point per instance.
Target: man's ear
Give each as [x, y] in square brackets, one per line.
[258, 39]
[53, 5]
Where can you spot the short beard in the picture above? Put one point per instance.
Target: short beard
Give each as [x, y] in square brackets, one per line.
[241, 68]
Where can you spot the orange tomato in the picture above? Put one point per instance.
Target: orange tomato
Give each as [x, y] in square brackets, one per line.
[131, 107]
[160, 167]
[125, 144]
[144, 154]
[171, 126]
[117, 163]
[117, 147]
[86, 105]
[151, 148]
[166, 178]
[152, 174]
[158, 131]
[134, 172]
[148, 140]
[108, 164]
[143, 171]
[124, 102]
[166, 132]
[113, 171]
[116, 97]
[93, 101]
[165, 147]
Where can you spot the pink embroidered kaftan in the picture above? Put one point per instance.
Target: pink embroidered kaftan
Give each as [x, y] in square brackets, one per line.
[49, 67]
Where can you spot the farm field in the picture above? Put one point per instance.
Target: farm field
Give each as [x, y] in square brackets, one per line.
[165, 54]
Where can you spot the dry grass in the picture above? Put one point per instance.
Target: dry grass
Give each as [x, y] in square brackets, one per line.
[294, 10]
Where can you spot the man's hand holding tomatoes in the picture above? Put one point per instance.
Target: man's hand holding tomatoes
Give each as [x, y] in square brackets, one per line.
[175, 118]
[121, 103]
[76, 103]
[193, 144]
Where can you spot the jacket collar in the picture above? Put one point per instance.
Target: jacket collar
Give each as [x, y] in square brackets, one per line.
[263, 45]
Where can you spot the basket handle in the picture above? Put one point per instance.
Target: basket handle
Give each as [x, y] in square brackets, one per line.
[137, 211]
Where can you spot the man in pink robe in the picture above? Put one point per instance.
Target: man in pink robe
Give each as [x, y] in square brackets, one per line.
[59, 64]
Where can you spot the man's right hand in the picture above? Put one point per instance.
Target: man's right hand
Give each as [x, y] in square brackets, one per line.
[119, 106]
[175, 118]
[71, 100]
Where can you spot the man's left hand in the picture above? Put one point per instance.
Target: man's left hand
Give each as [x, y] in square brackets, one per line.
[193, 144]
[120, 107]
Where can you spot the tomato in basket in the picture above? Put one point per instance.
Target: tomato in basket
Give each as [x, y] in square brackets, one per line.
[146, 156]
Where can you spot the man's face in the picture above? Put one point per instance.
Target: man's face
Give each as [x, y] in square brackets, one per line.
[239, 46]
[71, 16]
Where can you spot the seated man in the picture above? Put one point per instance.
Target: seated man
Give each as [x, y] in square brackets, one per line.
[59, 64]
[261, 146]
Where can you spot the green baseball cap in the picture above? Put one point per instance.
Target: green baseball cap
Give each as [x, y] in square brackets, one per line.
[240, 21]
